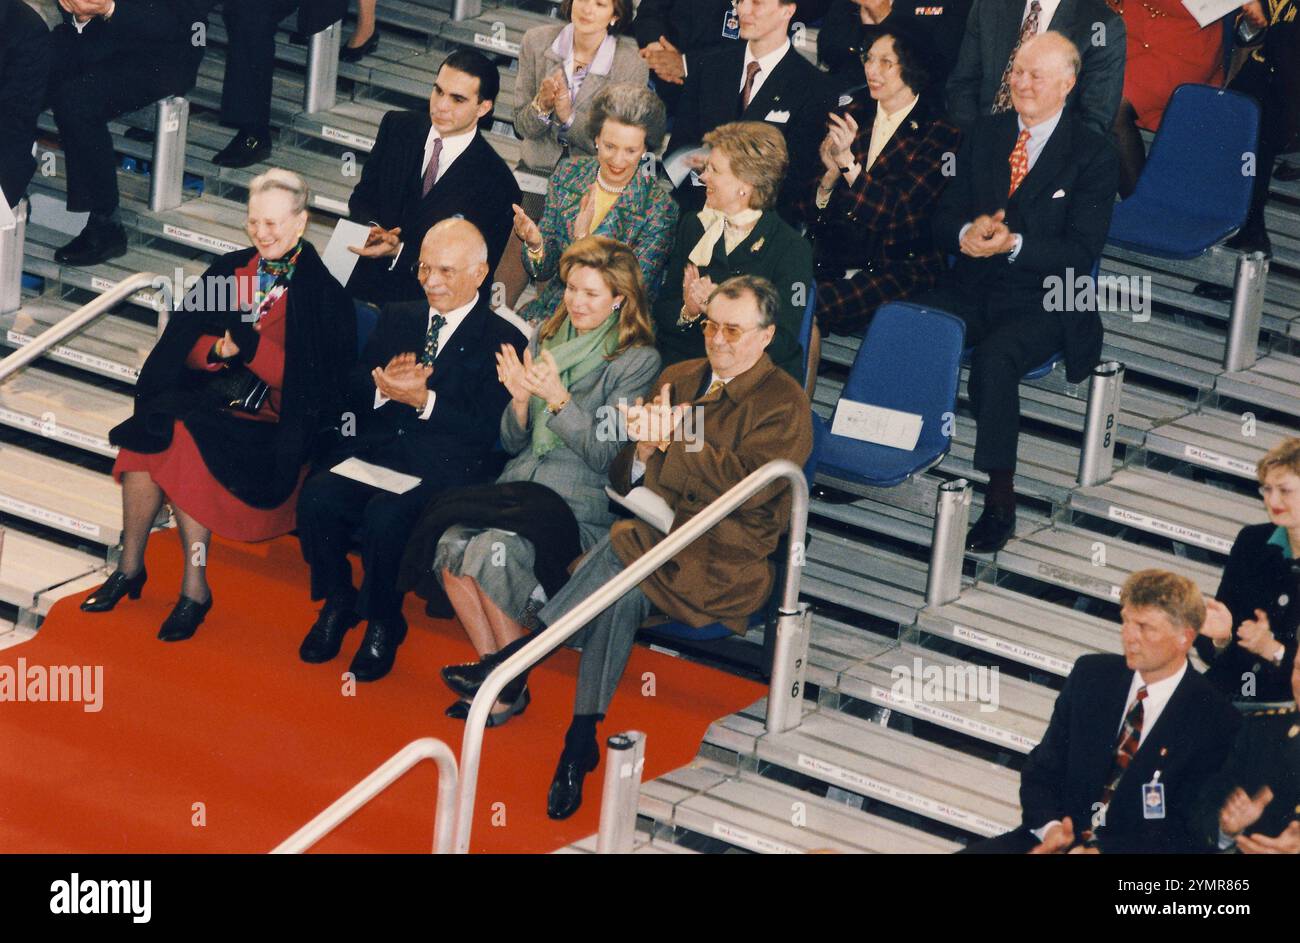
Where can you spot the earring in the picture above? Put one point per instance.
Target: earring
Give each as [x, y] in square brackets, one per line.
[617, 305]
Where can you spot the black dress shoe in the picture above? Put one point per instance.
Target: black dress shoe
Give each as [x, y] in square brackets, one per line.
[466, 679]
[565, 795]
[244, 150]
[326, 636]
[95, 244]
[1212, 291]
[356, 53]
[184, 620]
[378, 650]
[992, 531]
[114, 588]
[459, 710]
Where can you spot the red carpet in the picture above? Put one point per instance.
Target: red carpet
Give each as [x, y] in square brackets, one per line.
[233, 720]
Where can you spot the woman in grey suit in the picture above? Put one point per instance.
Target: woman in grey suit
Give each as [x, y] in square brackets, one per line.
[595, 351]
[561, 69]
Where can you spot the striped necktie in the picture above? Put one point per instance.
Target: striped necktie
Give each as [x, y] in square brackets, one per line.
[1002, 101]
[751, 70]
[1130, 736]
[431, 172]
[431, 340]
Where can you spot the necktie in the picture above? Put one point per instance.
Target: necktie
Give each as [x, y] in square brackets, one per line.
[431, 339]
[1129, 738]
[752, 70]
[1019, 161]
[714, 387]
[431, 172]
[1028, 28]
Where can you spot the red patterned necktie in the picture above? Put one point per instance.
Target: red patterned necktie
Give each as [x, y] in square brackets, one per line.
[1129, 739]
[1002, 101]
[752, 70]
[431, 172]
[1019, 161]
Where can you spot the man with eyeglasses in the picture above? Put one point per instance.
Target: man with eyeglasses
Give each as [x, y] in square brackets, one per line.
[426, 403]
[747, 412]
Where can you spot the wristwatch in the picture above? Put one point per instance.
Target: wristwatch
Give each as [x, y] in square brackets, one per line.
[1280, 656]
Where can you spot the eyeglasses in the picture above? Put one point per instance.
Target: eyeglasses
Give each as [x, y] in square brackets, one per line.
[1269, 490]
[730, 332]
[885, 64]
[424, 270]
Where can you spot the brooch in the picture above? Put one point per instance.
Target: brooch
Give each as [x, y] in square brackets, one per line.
[756, 246]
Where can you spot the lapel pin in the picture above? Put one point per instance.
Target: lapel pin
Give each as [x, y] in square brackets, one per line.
[1164, 751]
[1294, 731]
[913, 125]
[757, 246]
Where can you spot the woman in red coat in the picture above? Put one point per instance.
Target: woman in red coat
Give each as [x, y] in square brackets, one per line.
[1166, 48]
[237, 395]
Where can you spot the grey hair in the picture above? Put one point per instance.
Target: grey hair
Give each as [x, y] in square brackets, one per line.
[632, 105]
[1063, 45]
[766, 297]
[459, 229]
[278, 178]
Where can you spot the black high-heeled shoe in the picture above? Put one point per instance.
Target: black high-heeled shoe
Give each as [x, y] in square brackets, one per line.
[357, 53]
[184, 620]
[565, 795]
[114, 588]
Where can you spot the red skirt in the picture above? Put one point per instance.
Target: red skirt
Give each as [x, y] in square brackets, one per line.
[180, 472]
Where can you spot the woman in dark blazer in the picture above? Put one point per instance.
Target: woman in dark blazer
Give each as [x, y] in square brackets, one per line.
[549, 504]
[605, 195]
[870, 211]
[1249, 636]
[233, 400]
[737, 233]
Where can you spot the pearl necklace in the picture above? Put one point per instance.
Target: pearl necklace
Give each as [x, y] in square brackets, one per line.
[606, 187]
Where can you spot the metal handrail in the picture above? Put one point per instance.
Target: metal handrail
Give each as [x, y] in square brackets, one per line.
[339, 811]
[547, 641]
[74, 322]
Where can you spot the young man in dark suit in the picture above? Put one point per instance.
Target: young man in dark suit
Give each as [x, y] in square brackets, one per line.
[111, 57]
[427, 402]
[995, 30]
[24, 70]
[1132, 741]
[1027, 209]
[426, 167]
[763, 79]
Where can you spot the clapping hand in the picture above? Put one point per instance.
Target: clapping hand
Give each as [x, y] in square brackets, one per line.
[548, 91]
[652, 424]
[988, 236]
[1287, 843]
[542, 378]
[696, 290]
[405, 380]
[1058, 839]
[840, 134]
[527, 230]
[1218, 623]
[511, 372]
[83, 10]
[665, 61]
[1256, 636]
[380, 242]
[1241, 811]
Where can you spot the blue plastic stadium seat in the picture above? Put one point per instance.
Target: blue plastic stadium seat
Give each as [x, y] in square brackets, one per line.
[367, 318]
[805, 330]
[1193, 193]
[909, 361]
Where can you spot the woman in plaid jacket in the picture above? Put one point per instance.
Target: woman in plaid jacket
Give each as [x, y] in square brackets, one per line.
[605, 195]
[869, 213]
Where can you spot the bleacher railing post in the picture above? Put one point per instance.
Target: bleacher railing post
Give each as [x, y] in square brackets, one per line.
[466, 9]
[1101, 424]
[1247, 311]
[948, 545]
[11, 258]
[624, 761]
[322, 70]
[171, 128]
[789, 666]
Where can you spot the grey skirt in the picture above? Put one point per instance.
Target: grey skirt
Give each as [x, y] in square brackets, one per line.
[500, 561]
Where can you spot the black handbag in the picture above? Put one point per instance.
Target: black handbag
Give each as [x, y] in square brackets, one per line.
[237, 388]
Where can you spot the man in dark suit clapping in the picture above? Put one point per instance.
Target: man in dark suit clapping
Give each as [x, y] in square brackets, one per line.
[1028, 208]
[24, 70]
[427, 404]
[426, 167]
[1133, 738]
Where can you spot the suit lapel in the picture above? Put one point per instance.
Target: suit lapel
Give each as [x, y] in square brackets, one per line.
[630, 201]
[459, 173]
[772, 96]
[1051, 159]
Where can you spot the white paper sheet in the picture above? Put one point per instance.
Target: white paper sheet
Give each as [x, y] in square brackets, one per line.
[877, 425]
[646, 505]
[679, 163]
[1210, 11]
[376, 476]
[337, 258]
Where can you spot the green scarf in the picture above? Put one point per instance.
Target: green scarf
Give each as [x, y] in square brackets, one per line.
[576, 355]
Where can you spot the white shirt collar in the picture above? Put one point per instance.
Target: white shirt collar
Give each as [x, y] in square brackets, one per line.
[1040, 132]
[1158, 695]
[1048, 10]
[452, 147]
[454, 320]
[765, 65]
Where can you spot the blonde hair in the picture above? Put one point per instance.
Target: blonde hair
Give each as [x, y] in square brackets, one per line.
[618, 265]
[1176, 596]
[758, 156]
[277, 178]
[1285, 455]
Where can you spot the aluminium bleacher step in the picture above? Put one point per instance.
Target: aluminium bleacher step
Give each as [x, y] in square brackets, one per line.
[1185, 511]
[56, 494]
[60, 408]
[894, 678]
[760, 815]
[498, 29]
[642, 845]
[1219, 440]
[113, 346]
[1020, 628]
[1272, 382]
[1092, 563]
[1164, 349]
[867, 579]
[1045, 469]
[30, 567]
[833, 646]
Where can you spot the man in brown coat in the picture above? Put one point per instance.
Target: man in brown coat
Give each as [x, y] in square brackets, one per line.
[712, 423]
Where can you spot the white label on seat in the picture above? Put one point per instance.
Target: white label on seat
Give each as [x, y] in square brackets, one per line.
[34, 513]
[496, 42]
[872, 787]
[1016, 652]
[104, 286]
[334, 206]
[52, 430]
[77, 356]
[877, 425]
[985, 731]
[1206, 457]
[199, 239]
[1177, 531]
[347, 137]
[753, 842]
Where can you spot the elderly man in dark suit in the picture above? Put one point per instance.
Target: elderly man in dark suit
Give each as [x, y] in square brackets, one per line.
[980, 83]
[1028, 208]
[250, 66]
[1253, 803]
[1132, 741]
[763, 79]
[24, 70]
[112, 57]
[427, 404]
[750, 412]
[430, 166]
